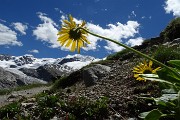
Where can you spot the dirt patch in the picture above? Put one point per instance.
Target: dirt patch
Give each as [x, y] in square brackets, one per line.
[14, 96]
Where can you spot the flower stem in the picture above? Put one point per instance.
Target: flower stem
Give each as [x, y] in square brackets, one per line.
[133, 50]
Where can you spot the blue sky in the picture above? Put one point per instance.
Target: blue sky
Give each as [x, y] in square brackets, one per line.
[30, 26]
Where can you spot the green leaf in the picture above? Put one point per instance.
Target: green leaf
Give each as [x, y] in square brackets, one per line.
[177, 116]
[150, 75]
[169, 75]
[162, 103]
[179, 100]
[175, 63]
[167, 97]
[143, 115]
[168, 91]
[153, 115]
[151, 78]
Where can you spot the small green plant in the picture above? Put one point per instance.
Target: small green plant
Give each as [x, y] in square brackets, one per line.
[5, 91]
[82, 108]
[9, 111]
[48, 101]
[164, 54]
[59, 83]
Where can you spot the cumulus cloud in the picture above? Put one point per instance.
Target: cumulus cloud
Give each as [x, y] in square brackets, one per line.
[20, 27]
[47, 31]
[173, 6]
[34, 51]
[134, 42]
[116, 31]
[8, 36]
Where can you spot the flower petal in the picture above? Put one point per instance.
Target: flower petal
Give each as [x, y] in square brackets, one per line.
[154, 71]
[63, 37]
[69, 42]
[73, 46]
[150, 63]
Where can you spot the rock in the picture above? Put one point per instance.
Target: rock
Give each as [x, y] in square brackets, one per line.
[31, 100]
[92, 74]
[14, 97]
[27, 105]
[175, 43]
[54, 118]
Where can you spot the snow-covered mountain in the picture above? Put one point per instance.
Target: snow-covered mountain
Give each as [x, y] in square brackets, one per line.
[27, 69]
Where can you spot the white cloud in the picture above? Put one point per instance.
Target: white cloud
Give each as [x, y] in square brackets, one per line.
[8, 36]
[146, 17]
[116, 31]
[132, 15]
[134, 42]
[20, 27]
[47, 31]
[33, 51]
[173, 6]
[143, 17]
[56, 9]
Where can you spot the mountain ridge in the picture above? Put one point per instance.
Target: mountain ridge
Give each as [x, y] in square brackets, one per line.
[43, 70]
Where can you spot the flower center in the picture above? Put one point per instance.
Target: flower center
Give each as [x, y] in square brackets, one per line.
[74, 34]
[147, 71]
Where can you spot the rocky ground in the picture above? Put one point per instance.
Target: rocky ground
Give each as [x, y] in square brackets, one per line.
[121, 87]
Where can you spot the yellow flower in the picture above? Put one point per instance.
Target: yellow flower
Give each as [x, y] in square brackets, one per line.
[144, 68]
[72, 37]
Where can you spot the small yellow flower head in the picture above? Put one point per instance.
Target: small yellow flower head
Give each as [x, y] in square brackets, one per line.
[72, 37]
[144, 68]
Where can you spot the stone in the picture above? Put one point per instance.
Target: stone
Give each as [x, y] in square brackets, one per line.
[14, 97]
[27, 105]
[92, 74]
[31, 100]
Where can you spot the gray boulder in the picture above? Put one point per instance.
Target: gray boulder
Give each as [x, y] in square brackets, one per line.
[92, 74]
